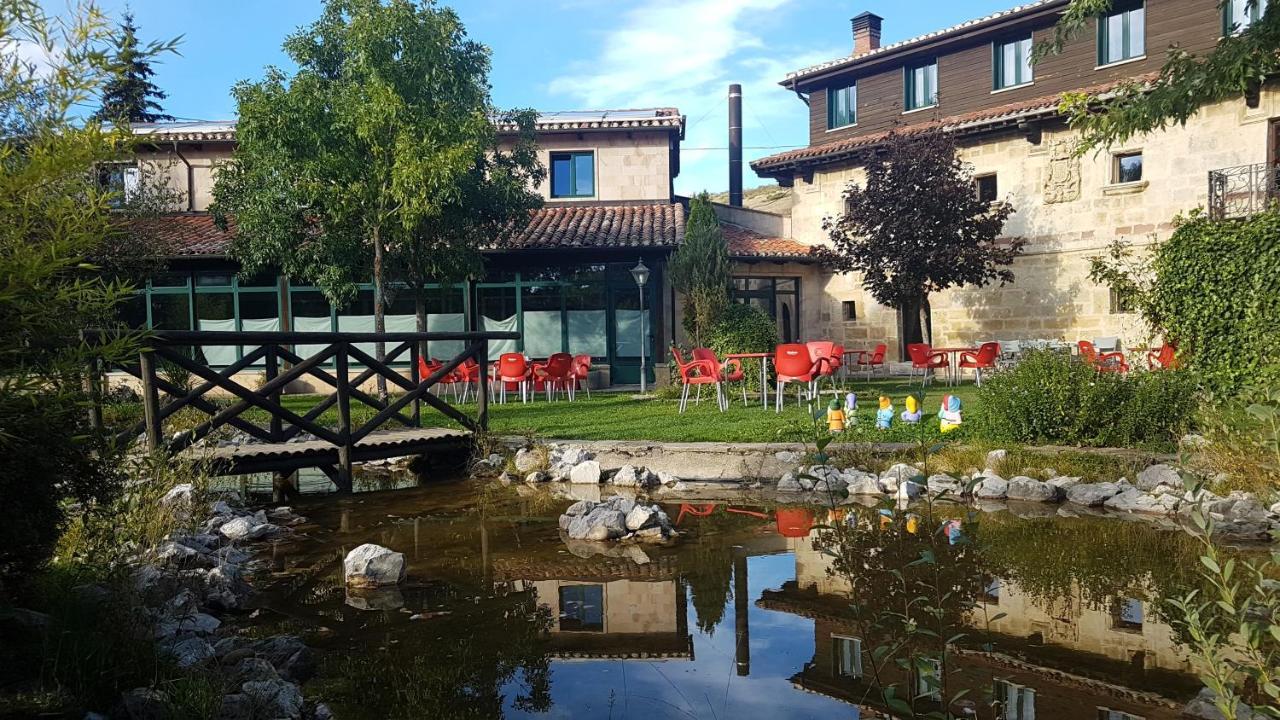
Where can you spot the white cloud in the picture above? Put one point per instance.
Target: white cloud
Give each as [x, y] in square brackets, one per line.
[685, 54]
[32, 54]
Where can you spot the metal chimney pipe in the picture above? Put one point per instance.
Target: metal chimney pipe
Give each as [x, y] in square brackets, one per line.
[735, 145]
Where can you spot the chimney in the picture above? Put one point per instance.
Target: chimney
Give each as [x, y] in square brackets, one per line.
[735, 145]
[866, 33]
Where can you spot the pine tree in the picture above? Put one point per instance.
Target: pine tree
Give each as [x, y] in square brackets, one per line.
[130, 96]
[700, 269]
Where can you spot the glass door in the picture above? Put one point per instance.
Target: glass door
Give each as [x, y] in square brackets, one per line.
[625, 323]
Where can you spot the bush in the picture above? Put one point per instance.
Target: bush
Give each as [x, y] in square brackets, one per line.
[1051, 397]
[744, 329]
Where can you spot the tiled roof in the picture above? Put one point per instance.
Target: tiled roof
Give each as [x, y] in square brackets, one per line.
[838, 149]
[194, 131]
[603, 226]
[935, 35]
[745, 243]
[597, 226]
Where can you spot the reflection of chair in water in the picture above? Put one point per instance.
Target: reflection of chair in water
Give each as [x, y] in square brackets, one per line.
[794, 522]
[707, 508]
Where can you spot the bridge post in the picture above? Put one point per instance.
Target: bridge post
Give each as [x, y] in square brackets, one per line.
[273, 370]
[482, 386]
[343, 391]
[150, 398]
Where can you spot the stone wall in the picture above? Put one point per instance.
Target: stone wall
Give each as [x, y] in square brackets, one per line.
[1068, 209]
[202, 160]
[629, 166]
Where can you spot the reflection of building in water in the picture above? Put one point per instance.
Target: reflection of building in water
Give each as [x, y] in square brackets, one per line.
[607, 607]
[1054, 660]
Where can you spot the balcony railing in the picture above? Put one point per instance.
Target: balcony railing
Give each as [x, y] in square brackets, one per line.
[1242, 191]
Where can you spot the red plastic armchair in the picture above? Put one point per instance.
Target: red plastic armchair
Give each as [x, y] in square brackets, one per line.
[869, 361]
[984, 359]
[793, 363]
[697, 373]
[1100, 361]
[924, 359]
[556, 374]
[1163, 358]
[582, 373]
[513, 369]
[730, 371]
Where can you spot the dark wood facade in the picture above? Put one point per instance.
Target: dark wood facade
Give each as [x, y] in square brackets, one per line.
[965, 72]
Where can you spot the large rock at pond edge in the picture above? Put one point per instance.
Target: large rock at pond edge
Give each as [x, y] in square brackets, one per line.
[274, 698]
[373, 566]
[602, 523]
[1092, 494]
[863, 484]
[942, 482]
[995, 457]
[640, 517]
[909, 490]
[527, 460]
[992, 487]
[585, 473]
[1135, 501]
[1157, 475]
[1031, 490]
[899, 472]
[246, 528]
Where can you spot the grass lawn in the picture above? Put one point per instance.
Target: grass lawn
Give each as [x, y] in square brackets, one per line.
[619, 416]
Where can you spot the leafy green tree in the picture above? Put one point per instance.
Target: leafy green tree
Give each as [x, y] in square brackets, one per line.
[53, 217]
[367, 158]
[1236, 67]
[700, 269]
[129, 95]
[916, 226]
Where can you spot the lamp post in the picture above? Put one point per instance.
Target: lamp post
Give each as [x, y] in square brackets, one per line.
[641, 275]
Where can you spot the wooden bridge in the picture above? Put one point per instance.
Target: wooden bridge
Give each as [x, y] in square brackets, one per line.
[394, 430]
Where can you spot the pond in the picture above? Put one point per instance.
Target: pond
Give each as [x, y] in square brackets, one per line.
[758, 611]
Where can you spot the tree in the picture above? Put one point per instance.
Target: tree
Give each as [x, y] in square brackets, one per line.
[1236, 67]
[53, 216]
[700, 270]
[129, 95]
[368, 158]
[917, 227]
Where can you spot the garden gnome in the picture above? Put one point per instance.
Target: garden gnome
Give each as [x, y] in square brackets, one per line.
[913, 523]
[886, 518]
[954, 531]
[850, 404]
[884, 416]
[949, 414]
[911, 415]
[835, 417]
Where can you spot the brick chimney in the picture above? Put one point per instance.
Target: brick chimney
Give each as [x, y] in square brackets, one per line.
[866, 33]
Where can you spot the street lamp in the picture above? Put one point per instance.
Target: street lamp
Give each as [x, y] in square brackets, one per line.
[641, 275]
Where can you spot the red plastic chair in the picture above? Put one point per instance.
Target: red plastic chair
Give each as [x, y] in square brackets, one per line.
[1163, 358]
[514, 369]
[556, 374]
[985, 359]
[582, 373]
[837, 358]
[729, 371]
[924, 359]
[793, 364]
[820, 351]
[449, 380]
[1100, 361]
[869, 361]
[699, 373]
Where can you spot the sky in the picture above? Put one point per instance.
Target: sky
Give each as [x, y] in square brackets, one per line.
[575, 55]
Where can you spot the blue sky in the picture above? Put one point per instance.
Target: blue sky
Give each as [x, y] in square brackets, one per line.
[576, 54]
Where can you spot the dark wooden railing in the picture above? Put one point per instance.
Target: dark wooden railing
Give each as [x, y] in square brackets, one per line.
[1240, 192]
[280, 366]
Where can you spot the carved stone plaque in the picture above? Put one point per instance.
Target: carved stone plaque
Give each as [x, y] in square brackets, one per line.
[1062, 183]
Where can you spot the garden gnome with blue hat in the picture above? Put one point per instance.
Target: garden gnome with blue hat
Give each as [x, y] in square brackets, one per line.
[949, 414]
[850, 404]
[884, 416]
[911, 415]
[835, 417]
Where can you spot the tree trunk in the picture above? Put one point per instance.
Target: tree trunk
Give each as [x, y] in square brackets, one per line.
[909, 314]
[926, 318]
[420, 319]
[379, 312]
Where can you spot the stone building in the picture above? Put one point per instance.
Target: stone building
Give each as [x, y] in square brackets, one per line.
[975, 80]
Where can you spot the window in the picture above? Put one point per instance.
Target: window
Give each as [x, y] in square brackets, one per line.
[1126, 615]
[842, 107]
[846, 657]
[1013, 702]
[1126, 167]
[929, 678]
[1238, 15]
[582, 607]
[986, 187]
[1122, 33]
[921, 86]
[849, 309]
[573, 175]
[1121, 301]
[1109, 714]
[778, 297]
[1011, 63]
[121, 180]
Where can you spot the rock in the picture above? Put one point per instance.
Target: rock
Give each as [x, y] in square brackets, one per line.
[788, 456]
[640, 517]
[789, 484]
[373, 566]
[991, 487]
[289, 655]
[1031, 490]
[382, 599]
[199, 624]
[321, 712]
[146, 704]
[1192, 441]
[247, 528]
[1157, 475]
[536, 477]
[1135, 501]
[668, 479]
[995, 457]
[1275, 509]
[1203, 708]
[180, 499]
[890, 478]
[191, 652]
[254, 668]
[941, 483]
[602, 523]
[645, 479]
[909, 490]
[582, 507]
[527, 460]
[1092, 494]
[860, 483]
[274, 698]
[574, 456]
[506, 478]
[626, 477]
[585, 473]
[1064, 482]
[178, 555]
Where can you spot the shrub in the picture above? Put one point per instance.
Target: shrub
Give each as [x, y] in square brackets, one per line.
[744, 329]
[1050, 397]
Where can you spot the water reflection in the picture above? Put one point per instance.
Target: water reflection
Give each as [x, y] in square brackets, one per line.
[777, 612]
